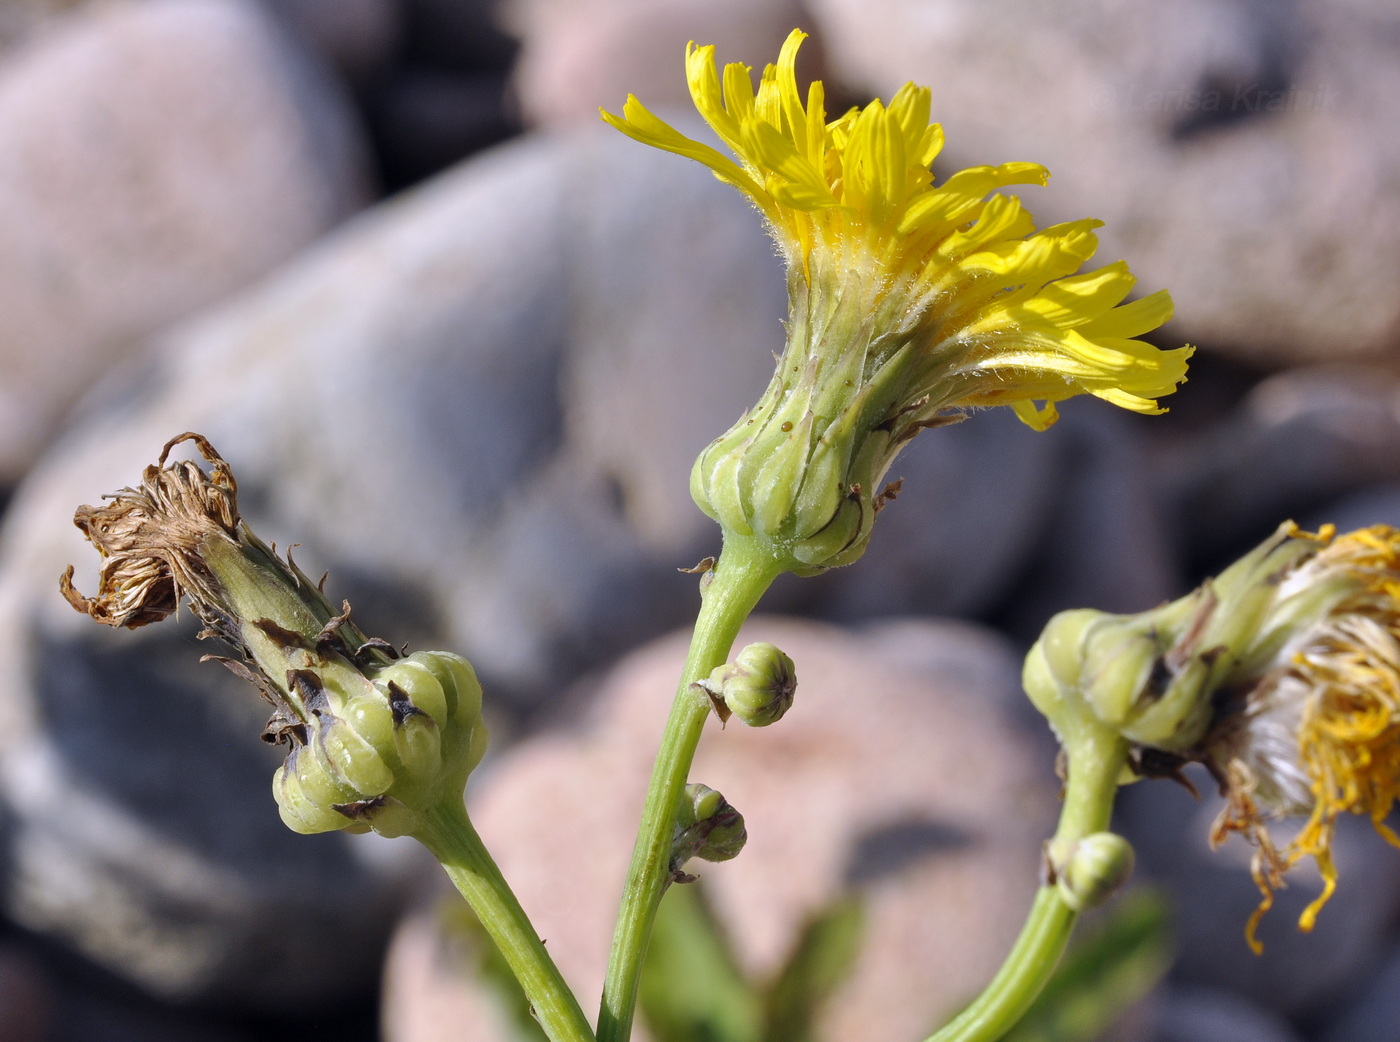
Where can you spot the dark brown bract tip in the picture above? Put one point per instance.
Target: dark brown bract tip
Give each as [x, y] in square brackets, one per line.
[150, 538]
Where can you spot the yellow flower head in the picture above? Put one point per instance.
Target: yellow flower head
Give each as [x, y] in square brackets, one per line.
[1001, 316]
[1318, 735]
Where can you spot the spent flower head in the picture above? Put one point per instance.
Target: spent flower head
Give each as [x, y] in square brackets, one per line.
[374, 739]
[910, 302]
[1281, 676]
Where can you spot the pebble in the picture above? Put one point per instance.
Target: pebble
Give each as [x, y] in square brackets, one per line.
[157, 156]
[1203, 1014]
[1213, 895]
[577, 56]
[1239, 153]
[900, 773]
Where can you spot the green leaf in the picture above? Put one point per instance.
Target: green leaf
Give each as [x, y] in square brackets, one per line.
[823, 957]
[692, 988]
[1113, 965]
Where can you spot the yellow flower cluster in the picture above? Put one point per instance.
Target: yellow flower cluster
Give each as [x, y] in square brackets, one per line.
[1002, 316]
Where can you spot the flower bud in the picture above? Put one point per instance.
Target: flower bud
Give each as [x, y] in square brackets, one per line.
[374, 739]
[1152, 676]
[1091, 870]
[1281, 676]
[757, 687]
[707, 827]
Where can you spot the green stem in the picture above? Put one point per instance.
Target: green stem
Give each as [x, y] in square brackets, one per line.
[448, 834]
[734, 587]
[1096, 758]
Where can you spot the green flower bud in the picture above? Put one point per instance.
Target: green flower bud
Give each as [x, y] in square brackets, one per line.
[374, 739]
[757, 687]
[1152, 677]
[1281, 676]
[1089, 872]
[707, 827]
[801, 473]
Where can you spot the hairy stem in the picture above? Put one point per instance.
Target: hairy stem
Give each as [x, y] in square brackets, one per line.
[449, 836]
[1096, 757]
[731, 591]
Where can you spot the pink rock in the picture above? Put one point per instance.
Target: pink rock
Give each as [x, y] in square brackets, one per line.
[901, 741]
[1241, 154]
[579, 56]
[154, 156]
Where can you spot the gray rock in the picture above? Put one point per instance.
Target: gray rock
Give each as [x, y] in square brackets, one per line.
[577, 56]
[1372, 1014]
[1212, 1015]
[355, 36]
[896, 774]
[1238, 152]
[1213, 894]
[1299, 442]
[996, 517]
[398, 402]
[1377, 505]
[158, 155]
[26, 996]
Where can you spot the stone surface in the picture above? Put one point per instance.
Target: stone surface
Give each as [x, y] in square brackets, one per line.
[1213, 895]
[157, 155]
[1300, 441]
[26, 996]
[356, 36]
[899, 774]
[1239, 152]
[579, 56]
[1211, 1015]
[1372, 1013]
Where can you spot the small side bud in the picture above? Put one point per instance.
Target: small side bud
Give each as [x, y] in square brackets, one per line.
[707, 827]
[757, 687]
[1089, 872]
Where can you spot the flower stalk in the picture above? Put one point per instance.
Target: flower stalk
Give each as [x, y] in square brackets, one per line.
[1095, 759]
[729, 592]
[375, 739]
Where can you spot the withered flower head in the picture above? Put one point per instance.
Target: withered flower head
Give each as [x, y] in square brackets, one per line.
[374, 739]
[149, 538]
[1281, 676]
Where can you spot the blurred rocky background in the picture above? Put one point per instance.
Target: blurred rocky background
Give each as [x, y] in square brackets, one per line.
[462, 343]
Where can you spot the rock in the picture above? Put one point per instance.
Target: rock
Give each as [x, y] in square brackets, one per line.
[158, 155]
[26, 996]
[1376, 505]
[1298, 974]
[457, 35]
[1372, 1013]
[996, 519]
[577, 57]
[424, 120]
[406, 382]
[1237, 152]
[355, 36]
[1300, 441]
[897, 775]
[1211, 1015]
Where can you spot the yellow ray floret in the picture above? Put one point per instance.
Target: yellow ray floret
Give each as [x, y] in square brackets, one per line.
[852, 199]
